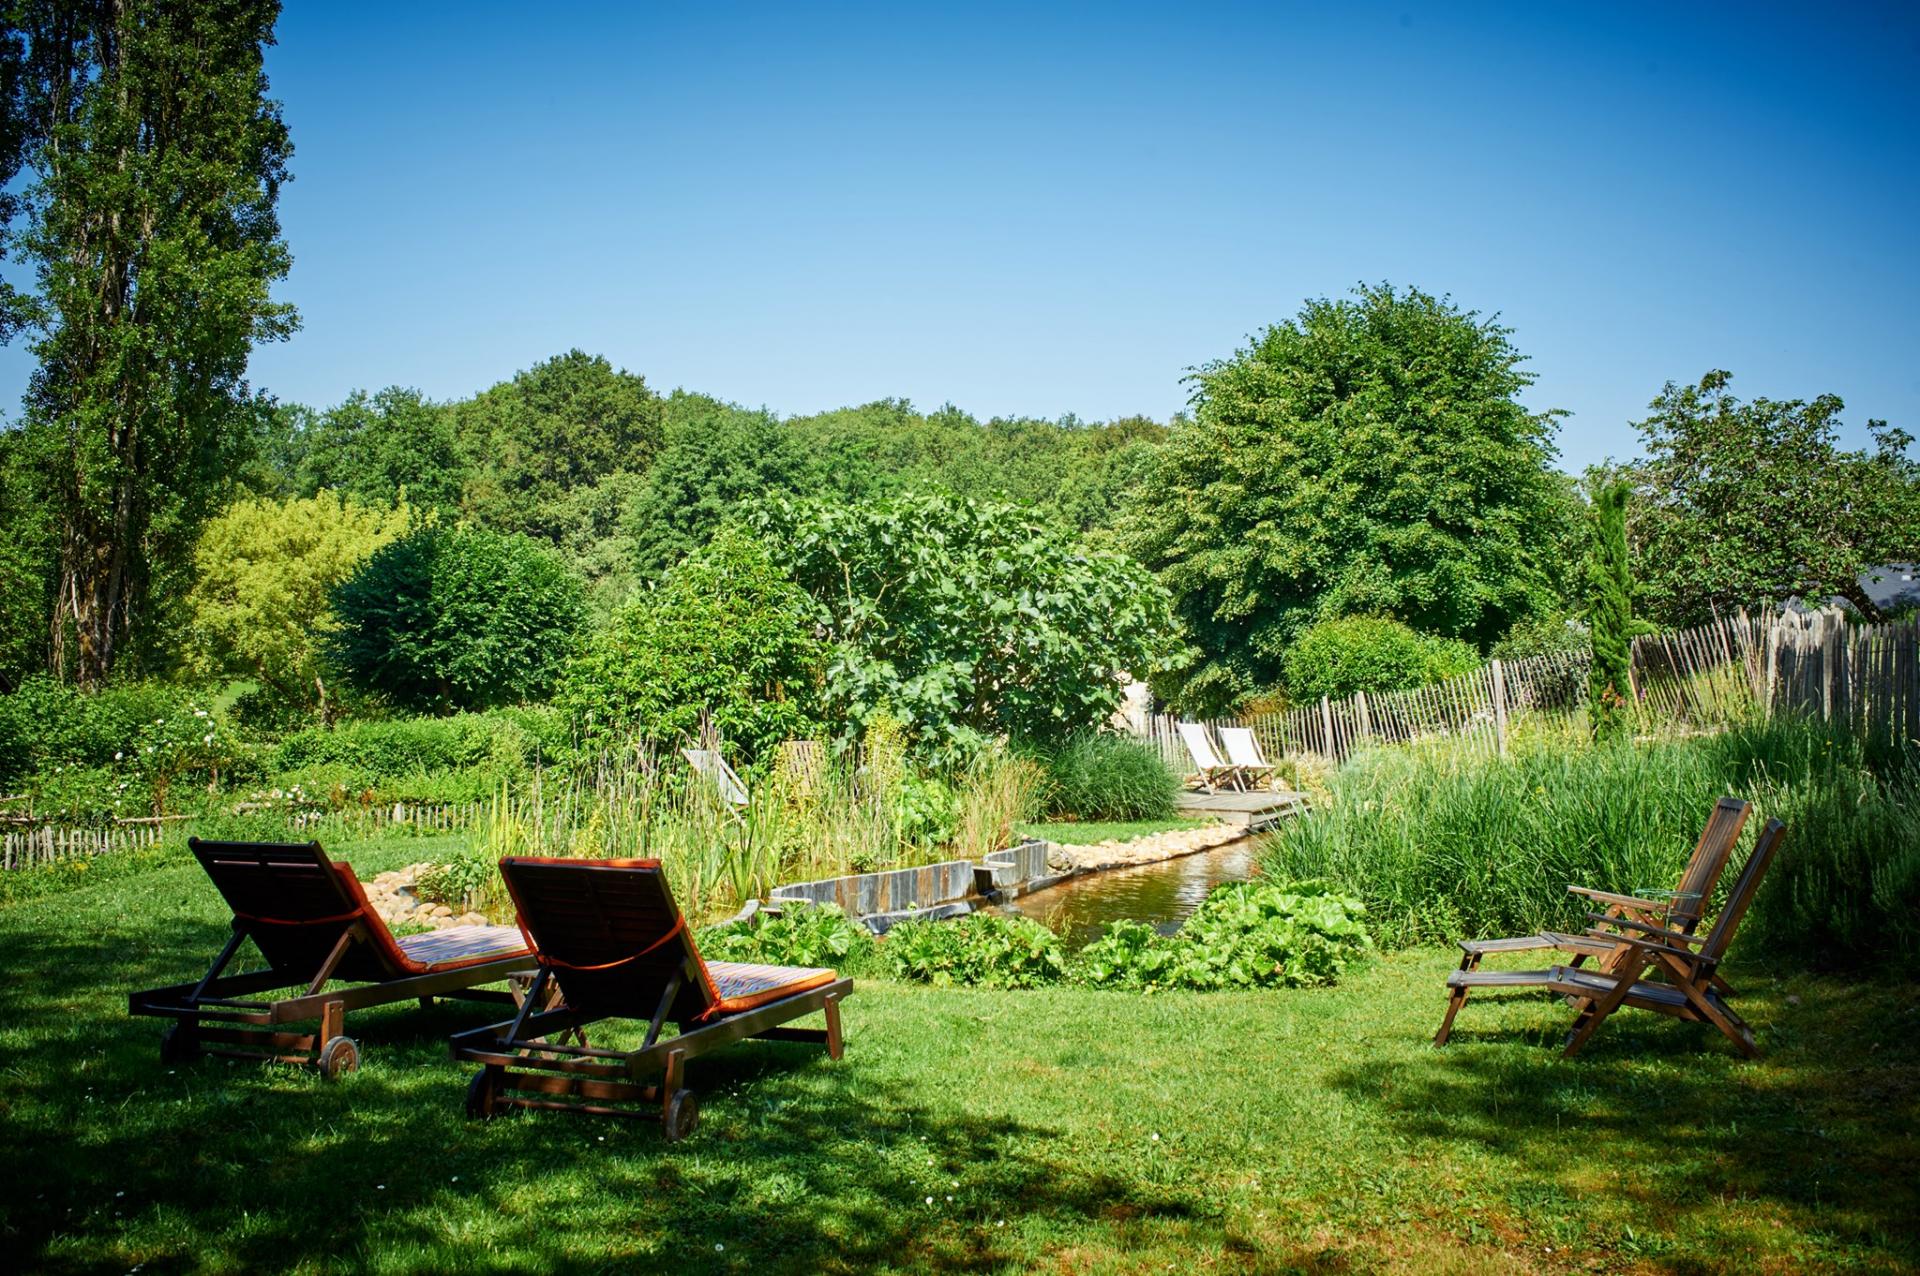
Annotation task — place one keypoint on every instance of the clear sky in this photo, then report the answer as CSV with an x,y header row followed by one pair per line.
x,y
1041,210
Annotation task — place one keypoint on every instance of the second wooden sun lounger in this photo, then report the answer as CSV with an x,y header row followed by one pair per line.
x,y
609,934
311,921
1243,752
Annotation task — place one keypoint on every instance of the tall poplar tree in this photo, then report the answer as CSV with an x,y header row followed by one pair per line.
x,y
1609,615
155,160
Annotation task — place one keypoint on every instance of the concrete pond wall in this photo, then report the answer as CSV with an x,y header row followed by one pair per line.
x,y
946,889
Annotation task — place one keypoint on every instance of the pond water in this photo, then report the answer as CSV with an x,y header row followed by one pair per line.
x,y
1163,895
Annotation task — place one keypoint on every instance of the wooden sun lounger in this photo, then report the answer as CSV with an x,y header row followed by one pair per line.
x,y
311,921
1210,770
1688,964
609,935
1681,911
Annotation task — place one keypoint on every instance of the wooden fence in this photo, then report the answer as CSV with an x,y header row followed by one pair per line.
x,y
45,843
1820,663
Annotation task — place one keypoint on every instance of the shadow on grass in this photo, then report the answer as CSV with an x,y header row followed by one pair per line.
x,y
800,1164
1667,1116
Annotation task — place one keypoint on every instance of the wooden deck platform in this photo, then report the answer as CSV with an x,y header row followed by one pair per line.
x,y
1257,810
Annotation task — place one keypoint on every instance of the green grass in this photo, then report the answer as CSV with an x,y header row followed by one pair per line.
x,y
1077,834
1075,1131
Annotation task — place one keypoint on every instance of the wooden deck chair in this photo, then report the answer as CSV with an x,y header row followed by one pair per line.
x,y
310,920
608,934
1209,769
1243,753
711,766
1687,962
1691,990
1680,910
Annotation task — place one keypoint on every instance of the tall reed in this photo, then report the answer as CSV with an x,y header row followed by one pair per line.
x,y
1444,842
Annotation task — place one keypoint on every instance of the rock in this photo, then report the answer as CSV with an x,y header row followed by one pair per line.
x,y
470,919
441,910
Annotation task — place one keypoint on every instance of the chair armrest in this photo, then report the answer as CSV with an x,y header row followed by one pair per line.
x,y
1624,901
1612,919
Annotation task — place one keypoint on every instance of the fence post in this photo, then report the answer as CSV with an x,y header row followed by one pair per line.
x,y
1500,707
1361,715
1326,725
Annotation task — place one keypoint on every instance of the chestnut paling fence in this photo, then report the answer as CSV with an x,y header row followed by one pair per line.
x,y
1866,677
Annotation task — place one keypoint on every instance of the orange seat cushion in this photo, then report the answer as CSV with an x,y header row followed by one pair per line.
x,y
740,985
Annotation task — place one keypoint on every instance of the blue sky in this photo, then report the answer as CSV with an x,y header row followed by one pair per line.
x,y
1044,210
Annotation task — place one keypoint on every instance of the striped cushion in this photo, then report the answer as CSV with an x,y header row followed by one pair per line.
x,y
461,945
743,985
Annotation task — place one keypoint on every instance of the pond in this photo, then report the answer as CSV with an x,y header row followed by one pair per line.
x,y
1163,895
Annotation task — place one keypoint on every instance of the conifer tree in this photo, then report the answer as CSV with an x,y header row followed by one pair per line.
x,y
1609,616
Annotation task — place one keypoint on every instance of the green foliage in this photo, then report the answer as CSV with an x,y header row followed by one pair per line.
x,y
717,457
392,447
1746,503
1444,843
503,743
46,725
264,571
723,639
456,618
1244,935
1367,653
983,949
29,562
453,881
1100,776
800,935
1370,457
1548,635
155,161
968,619
1610,617
536,444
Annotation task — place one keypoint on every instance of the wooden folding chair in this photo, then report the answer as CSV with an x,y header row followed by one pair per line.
x,y
1679,911
1243,753
312,923
609,935
1210,770
1687,962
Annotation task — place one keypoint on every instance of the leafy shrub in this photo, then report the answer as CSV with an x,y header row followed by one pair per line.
x,y
723,639
968,620
1543,636
457,618
502,741
978,949
1243,935
1109,777
47,724
452,882
1369,653
801,935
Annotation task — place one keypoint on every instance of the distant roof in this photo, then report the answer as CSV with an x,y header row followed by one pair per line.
x,y
1892,586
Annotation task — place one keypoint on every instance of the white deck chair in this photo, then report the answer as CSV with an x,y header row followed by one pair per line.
x,y
1211,770
709,764
1244,752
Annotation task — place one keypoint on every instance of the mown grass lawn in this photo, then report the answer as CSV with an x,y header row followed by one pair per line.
x,y
966,1130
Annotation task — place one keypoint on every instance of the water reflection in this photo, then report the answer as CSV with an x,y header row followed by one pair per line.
x,y
1162,895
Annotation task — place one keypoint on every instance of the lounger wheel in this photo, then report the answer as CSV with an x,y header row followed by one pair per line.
x,y
480,1093
339,1055
178,1044
682,1116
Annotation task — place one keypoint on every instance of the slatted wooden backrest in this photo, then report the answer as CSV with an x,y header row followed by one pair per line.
x,y
1744,889
294,904
611,933
1709,860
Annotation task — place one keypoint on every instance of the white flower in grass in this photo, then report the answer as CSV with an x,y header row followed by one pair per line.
x,y
117,755
929,1200
718,1248
207,738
